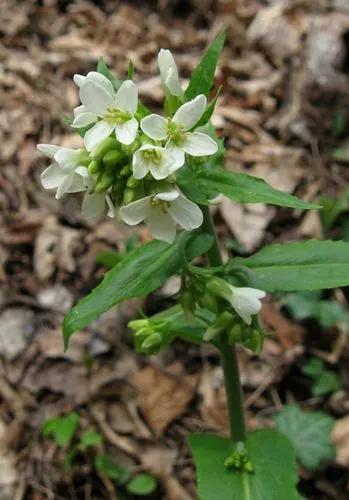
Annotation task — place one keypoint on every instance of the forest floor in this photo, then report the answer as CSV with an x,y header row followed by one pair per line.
x,y
284,115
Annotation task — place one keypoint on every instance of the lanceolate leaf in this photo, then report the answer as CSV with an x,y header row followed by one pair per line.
x,y
138,274
207,183
274,468
311,265
104,70
202,78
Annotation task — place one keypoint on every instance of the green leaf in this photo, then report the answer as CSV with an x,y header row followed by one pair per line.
x,y
62,429
324,381
202,78
274,469
203,185
107,466
209,110
108,258
91,438
309,433
104,70
333,208
142,484
309,305
139,273
310,265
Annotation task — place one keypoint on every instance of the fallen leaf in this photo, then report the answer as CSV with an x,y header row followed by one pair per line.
x,y
16,330
340,439
162,397
287,332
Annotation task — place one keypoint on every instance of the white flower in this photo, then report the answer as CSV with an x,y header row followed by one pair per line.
x,y
83,117
115,112
245,300
158,161
169,73
161,212
61,175
94,204
176,131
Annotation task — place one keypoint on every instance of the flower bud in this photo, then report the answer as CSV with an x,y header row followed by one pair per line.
x,y
209,302
94,167
256,341
107,145
152,343
129,196
188,304
126,170
113,157
104,183
235,334
132,182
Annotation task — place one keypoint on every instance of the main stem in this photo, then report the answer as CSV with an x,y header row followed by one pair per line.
x,y
228,353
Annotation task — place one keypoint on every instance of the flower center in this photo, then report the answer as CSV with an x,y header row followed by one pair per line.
x,y
152,155
175,133
161,204
116,116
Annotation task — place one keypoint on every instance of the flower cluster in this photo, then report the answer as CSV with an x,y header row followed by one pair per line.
x,y
130,158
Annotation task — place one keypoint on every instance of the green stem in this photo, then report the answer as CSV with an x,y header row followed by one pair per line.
x,y
228,354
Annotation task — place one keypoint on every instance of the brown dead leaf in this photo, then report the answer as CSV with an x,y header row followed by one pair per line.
x,y
340,439
162,397
213,406
288,333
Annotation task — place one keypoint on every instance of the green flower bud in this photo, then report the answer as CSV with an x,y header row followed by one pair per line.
x,y
152,343
256,341
235,334
113,157
95,167
209,302
104,183
132,182
107,145
129,196
188,304
126,170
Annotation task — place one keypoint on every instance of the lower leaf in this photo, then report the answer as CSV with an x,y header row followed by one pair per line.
x,y
273,474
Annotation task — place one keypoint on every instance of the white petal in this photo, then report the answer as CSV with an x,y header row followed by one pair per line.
x,y
79,79
95,98
169,72
77,184
88,180
127,97
79,109
167,195
165,63
140,166
68,157
48,150
65,185
173,84
102,80
161,225
93,205
84,119
135,212
165,167
127,132
246,302
53,176
155,127
199,144
190,112
186,213
178,155
111,208
97,134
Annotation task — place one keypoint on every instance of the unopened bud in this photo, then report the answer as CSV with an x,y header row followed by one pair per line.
x,y
107,145
113,157
104,183
152,342
126,170
209,302
94,167
235,334
256,341
132,182
129,196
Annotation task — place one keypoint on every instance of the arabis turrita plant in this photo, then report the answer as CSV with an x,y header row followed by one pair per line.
x,y
165,170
